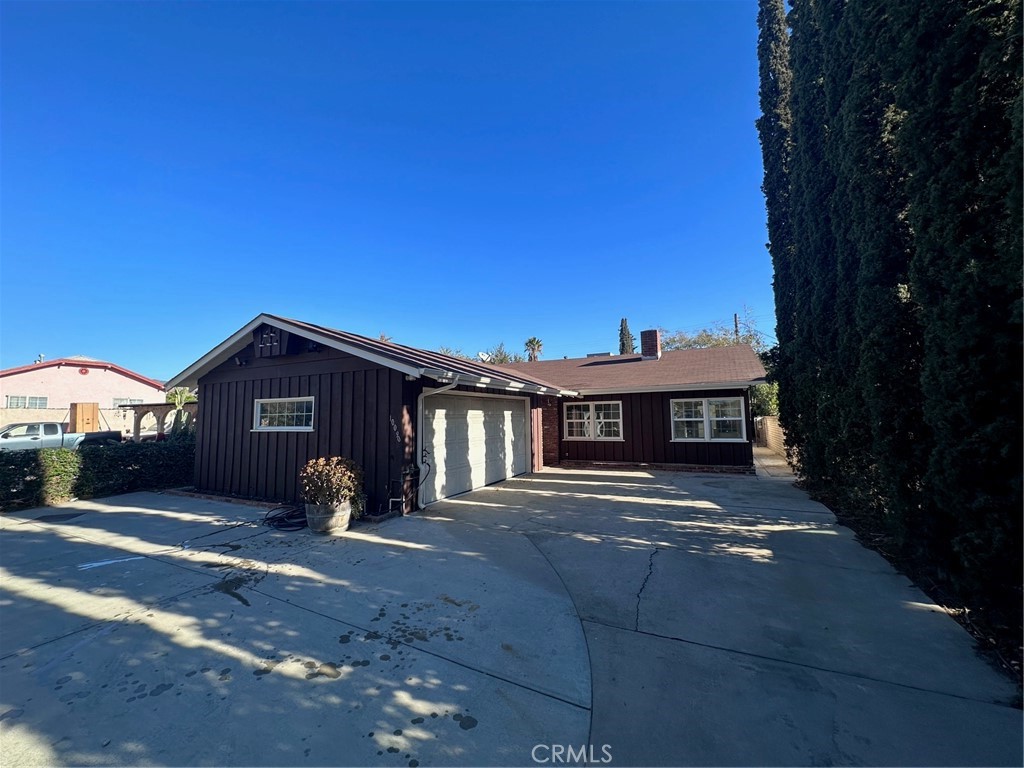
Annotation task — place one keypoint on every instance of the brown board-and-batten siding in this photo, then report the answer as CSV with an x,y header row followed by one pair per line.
x,y
360,410
647,434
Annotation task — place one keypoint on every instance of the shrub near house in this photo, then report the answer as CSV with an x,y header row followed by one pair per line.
x,y
53,475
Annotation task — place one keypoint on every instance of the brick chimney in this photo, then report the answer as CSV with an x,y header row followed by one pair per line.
x,y
650,344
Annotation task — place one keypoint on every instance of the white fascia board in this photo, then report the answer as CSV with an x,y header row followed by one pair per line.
x,y
673,387
493,382
242,338
343,347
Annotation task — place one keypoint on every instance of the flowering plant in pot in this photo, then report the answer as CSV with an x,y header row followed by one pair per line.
x,y
332,489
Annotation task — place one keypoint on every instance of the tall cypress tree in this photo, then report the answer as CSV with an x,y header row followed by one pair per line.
x,y
960,142
627,344
842,427
810,368
887,363
896,232
774,129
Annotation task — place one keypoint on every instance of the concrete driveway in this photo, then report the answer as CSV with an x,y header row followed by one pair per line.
x,y
642,618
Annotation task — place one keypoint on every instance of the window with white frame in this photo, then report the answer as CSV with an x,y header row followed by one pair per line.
x,y
26,401
283,414
593,421
708,418
127,401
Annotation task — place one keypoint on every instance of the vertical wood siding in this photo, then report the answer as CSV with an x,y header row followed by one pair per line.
x,y
647,434
355,402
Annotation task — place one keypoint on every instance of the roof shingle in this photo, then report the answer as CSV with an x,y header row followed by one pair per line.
x,y
684,368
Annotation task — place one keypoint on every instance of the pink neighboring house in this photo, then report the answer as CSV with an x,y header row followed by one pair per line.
x,y
58,383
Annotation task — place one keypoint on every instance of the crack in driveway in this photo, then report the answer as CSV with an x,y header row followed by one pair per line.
x,y
639,595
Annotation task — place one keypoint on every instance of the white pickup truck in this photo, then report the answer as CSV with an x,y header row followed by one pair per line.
x,y
49,434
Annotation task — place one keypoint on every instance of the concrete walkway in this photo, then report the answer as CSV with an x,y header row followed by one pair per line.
x,y
645,618
771,466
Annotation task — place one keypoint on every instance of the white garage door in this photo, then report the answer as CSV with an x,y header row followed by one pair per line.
x,y
473,442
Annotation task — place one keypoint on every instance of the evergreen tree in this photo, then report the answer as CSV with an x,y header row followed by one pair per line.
x,y
498,355
627,344
808,368
886,359
774,129
895,214
959,140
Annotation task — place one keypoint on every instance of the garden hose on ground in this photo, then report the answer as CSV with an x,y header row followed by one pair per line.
x,y
285,518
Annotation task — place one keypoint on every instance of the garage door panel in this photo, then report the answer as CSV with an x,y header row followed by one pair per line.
x,y
473,442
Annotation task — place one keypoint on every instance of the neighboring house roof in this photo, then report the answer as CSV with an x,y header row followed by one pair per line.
x,y
409,360
79,361
714,368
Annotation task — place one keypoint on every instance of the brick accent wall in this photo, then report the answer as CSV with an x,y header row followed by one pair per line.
x,y
550,415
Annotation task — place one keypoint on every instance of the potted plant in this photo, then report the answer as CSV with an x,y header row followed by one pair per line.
x,y
332,489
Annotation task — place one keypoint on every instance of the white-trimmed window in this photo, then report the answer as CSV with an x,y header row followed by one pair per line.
x,y
283,414
26,401
708,418
593,421
127,401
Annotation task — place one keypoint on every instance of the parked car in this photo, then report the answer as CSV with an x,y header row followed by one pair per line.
x,y
49,434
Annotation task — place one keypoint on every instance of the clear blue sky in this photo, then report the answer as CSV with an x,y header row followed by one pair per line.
x,y
451,174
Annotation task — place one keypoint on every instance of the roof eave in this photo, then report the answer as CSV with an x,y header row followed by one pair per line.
x,y
495,382
742,384
101,365
241,339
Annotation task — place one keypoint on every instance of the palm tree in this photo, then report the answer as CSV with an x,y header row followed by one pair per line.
x,y
534,346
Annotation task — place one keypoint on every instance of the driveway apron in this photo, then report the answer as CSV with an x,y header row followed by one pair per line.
x,y
611,617
731,621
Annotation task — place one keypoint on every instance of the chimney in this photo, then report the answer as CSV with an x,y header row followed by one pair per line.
x,y
650,344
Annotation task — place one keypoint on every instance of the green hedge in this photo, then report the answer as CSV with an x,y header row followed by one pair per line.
x,y
52,475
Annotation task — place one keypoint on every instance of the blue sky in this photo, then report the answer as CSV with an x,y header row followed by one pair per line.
x,y
451,174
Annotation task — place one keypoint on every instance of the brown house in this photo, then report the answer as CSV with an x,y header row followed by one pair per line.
x,y
682,409
426,426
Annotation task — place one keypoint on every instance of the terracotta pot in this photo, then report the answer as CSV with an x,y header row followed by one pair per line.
x,y
324,518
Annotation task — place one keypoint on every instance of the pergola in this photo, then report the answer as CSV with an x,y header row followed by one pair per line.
x,y
160,412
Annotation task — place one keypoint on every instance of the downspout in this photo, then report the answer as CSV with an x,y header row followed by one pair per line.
x,y
420,450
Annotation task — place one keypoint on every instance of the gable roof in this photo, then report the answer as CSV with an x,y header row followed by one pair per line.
x,y
79,361
682,369
420,363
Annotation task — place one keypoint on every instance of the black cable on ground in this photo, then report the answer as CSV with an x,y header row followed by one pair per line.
x,y
285,518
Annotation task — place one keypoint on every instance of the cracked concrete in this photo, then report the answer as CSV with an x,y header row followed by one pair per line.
x,y
669,619
643,586
732,621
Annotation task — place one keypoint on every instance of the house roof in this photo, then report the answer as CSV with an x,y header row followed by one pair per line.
x,y
714,368
79,361
420,363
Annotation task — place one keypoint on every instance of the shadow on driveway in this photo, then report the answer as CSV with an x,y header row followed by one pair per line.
x,y
154,629
731,621
675,619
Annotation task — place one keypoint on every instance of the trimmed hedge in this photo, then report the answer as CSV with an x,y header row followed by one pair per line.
x,y
52,475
